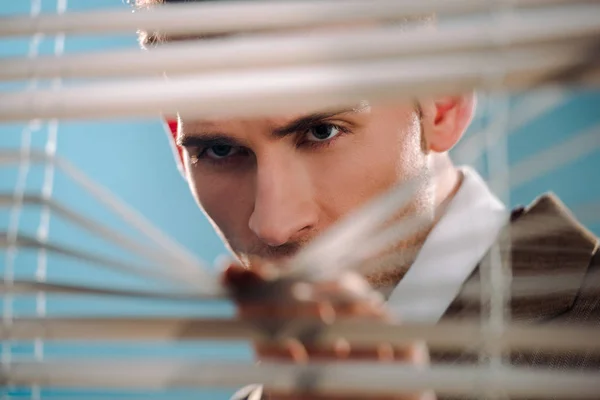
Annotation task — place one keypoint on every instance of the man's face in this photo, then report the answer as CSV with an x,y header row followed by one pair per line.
x,y
270,185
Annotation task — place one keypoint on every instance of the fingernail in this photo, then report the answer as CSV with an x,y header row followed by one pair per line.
x,y
342,348
303,291
326,313
297,351
385,352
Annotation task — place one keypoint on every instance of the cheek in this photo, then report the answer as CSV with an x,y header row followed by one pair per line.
x,y
381,154
226,200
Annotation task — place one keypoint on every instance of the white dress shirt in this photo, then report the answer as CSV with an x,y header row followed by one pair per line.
x,y
451,252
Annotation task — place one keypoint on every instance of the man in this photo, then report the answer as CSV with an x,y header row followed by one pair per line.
x,y
271,185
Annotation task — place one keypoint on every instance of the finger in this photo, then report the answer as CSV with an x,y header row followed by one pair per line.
x,y
322,312
237,278
296,351
416,354
263,268
360,310
349,286
326,311
349,396
255,286
383,352
339,351
292,350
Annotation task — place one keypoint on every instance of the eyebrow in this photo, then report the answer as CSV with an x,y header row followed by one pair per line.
x,y
304,123
301,124
206,140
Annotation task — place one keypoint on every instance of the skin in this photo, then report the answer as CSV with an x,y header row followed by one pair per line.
x,y
279,192
271,185
275,184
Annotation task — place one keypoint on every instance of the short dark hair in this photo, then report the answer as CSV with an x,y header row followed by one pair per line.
x,y
152,39
149,3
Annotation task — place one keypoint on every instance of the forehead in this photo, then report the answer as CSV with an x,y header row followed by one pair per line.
x,y
198,125
191,124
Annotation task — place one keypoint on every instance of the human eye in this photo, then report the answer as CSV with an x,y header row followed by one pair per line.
x,y
322,132
220,151
217,154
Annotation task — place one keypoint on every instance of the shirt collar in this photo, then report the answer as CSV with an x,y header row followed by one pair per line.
x,y
452,250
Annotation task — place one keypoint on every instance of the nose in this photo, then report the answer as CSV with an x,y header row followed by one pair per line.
x,y
284,206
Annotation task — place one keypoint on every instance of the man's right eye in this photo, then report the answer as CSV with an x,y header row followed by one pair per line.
x,y
220,151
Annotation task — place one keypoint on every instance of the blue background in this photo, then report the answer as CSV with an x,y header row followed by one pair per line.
x,y
132,158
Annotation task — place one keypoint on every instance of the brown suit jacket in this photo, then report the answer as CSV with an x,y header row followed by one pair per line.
x,y
545,241
542,240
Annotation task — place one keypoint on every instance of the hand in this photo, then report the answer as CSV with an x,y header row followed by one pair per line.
x,y
348,297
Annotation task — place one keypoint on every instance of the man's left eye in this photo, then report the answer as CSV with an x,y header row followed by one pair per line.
x,y
321,133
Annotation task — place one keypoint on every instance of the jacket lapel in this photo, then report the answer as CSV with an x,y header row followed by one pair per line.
x,y
542,241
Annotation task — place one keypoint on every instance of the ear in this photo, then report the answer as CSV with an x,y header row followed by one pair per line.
x,y
447,119
171,127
